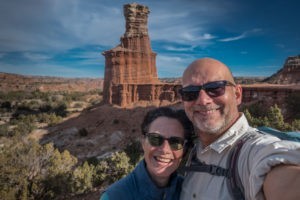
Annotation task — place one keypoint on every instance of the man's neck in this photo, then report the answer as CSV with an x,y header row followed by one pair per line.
x,y
208,138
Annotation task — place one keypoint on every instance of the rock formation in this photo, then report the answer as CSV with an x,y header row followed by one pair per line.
x,y
289,74
132,62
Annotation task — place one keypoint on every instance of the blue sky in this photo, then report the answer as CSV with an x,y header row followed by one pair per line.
x,y
66,37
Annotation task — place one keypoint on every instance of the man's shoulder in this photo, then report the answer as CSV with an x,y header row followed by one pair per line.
x,y
254,135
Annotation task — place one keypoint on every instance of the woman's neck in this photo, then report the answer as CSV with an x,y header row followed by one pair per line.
x,y
160,181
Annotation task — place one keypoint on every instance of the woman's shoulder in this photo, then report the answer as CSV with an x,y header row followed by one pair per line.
x,y
118,190
122,189
104,196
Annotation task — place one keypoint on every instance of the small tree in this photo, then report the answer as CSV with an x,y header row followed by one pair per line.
x,y
82,178
112,168
275,118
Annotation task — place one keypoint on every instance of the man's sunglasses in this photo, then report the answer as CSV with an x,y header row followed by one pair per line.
x,y
156,140
212,89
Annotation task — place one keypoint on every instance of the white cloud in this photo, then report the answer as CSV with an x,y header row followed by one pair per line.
x,y
172,66
241,36
174,48
36,57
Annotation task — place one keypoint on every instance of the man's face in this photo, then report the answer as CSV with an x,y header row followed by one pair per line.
x,y
161,160
212,115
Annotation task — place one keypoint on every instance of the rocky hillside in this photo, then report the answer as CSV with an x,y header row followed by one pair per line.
x,y
106,128
15,82
289,74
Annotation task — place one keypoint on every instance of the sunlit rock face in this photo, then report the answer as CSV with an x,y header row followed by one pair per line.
x,y
289,74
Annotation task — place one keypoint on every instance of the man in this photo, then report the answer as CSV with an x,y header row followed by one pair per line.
x,y
268,168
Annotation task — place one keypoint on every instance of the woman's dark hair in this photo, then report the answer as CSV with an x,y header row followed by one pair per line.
x,y
169,112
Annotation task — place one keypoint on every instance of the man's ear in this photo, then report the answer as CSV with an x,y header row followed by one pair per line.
x,y
238,94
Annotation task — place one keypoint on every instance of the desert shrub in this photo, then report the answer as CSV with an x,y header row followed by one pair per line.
x,y
78,105
46,107
6,105
32,105
82,178
22,128
4,131
273,118
83,132
257,109
61,110
51,119
95,101
112,168
59,173
93,160
33,171
74,96
296,125
134,151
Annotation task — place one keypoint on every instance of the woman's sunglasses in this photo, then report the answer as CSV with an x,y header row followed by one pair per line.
x,y
156,140
212,89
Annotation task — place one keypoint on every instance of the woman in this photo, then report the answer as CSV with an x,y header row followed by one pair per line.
x,y
166,133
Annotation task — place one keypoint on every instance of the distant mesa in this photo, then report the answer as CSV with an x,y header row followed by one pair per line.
x,y
16,82
289,74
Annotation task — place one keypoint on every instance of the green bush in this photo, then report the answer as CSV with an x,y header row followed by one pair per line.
x,y
32,171
112,168
134,151
82,178
296,125
51,119
273,118
4,131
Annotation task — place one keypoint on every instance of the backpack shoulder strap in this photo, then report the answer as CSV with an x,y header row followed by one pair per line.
x,y
235,184
195,165
231,173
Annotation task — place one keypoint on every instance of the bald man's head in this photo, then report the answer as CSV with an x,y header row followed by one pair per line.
x,y
205,68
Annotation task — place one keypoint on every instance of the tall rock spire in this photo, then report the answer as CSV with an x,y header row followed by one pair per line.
x,y
132,61
136,20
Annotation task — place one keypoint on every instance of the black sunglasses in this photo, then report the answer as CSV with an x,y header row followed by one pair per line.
x,y
212,89
156,140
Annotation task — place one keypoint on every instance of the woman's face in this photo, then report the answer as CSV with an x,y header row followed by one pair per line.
x,y
161,160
